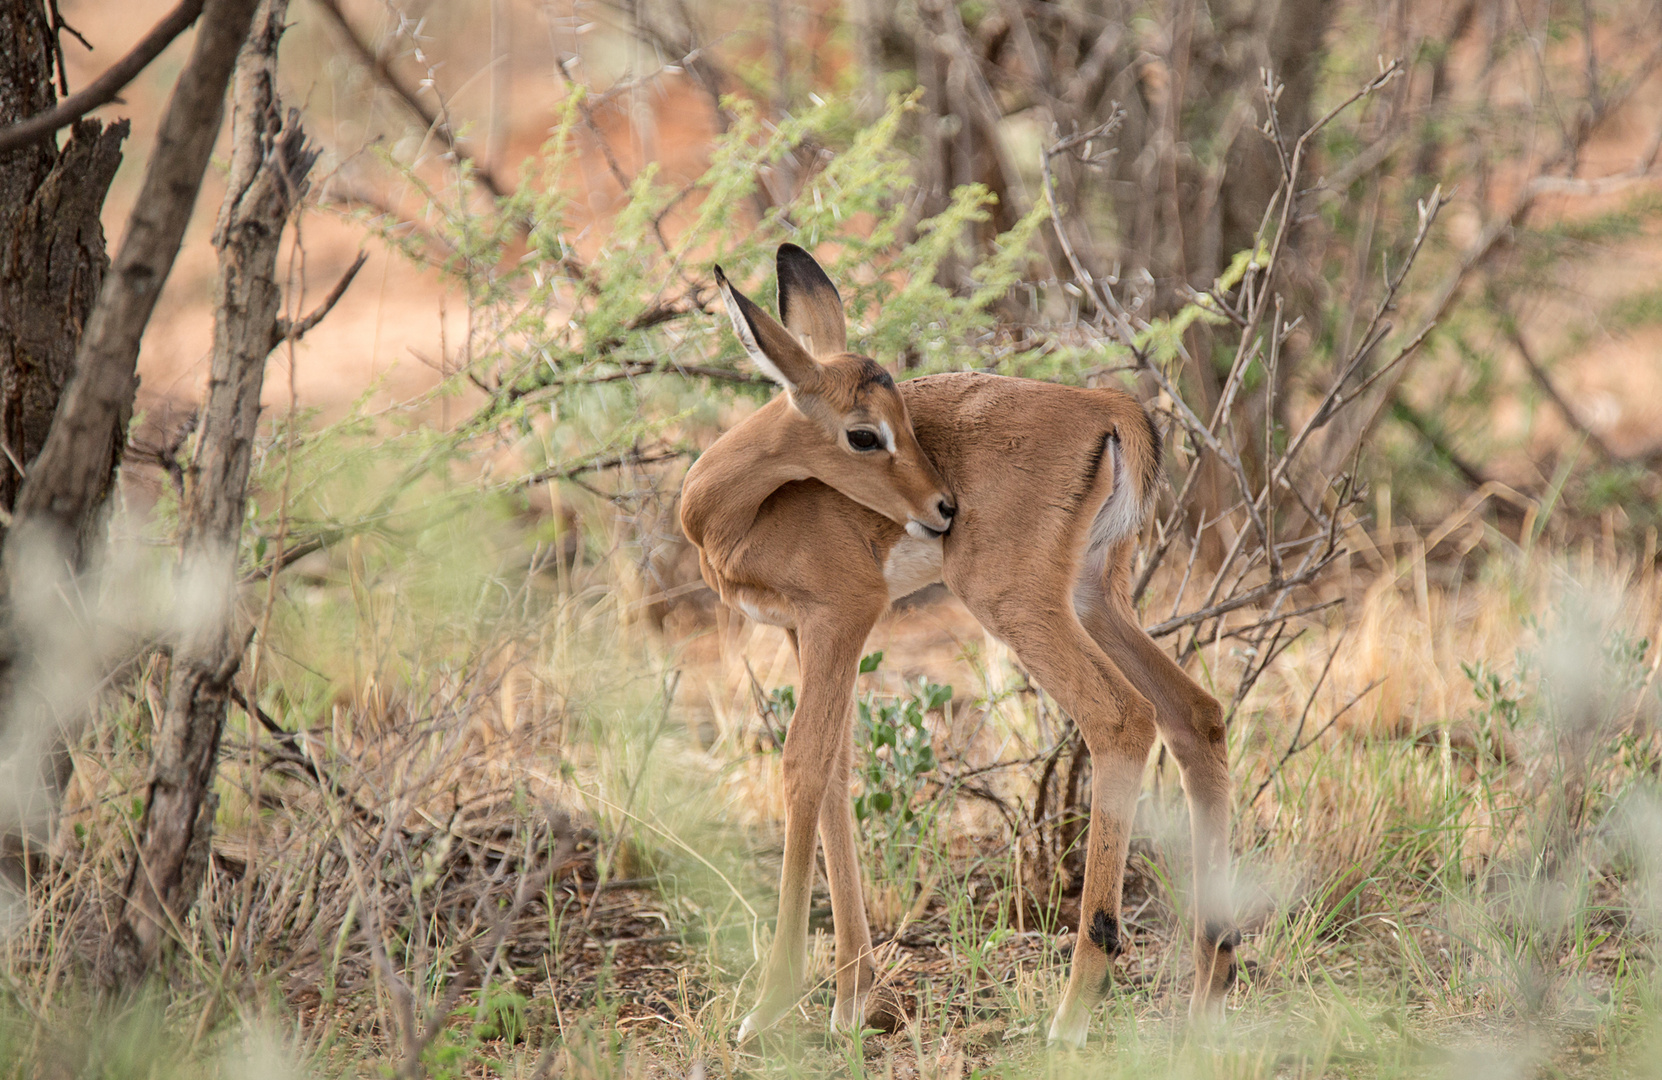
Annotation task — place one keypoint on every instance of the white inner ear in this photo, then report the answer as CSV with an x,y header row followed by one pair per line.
x,y
741,327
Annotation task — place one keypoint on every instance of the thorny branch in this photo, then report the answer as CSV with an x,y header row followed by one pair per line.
x,y
1286,520
409,96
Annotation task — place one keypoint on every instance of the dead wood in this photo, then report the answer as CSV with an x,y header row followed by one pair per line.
x,y
269,163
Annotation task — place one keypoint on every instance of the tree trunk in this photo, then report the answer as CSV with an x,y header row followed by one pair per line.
x,y
66,487
52,257
48,654
269,162
52,262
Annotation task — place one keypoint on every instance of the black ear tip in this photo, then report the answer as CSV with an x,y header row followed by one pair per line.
x,y
802,270
721,278
796,262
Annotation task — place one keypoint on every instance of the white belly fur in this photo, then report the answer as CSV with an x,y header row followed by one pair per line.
x,y
757,613
912,564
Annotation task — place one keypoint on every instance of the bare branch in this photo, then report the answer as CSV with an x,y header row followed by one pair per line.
x,y
1239,600
1544,381
408,96
1295,747
286,331
103,90
613,461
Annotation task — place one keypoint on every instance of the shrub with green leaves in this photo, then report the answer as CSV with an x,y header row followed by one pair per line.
x,y
897,755
573,330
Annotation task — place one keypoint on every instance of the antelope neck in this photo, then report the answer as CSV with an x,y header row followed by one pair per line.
x,y
728,484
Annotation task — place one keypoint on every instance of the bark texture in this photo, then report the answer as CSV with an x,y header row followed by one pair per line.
x,y
66,487
52,256
52,263
269,163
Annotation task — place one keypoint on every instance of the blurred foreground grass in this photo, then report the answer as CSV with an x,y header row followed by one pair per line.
x,y
522,815
1461,873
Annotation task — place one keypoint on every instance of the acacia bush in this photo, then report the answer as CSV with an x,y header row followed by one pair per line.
x,y
462,758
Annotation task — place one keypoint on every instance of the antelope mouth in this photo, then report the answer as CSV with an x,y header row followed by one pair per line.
x,y
945,513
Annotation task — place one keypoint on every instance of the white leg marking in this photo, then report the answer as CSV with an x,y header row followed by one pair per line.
x,y
1070,1031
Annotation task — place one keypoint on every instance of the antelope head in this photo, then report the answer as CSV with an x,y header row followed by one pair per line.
x,y
850,427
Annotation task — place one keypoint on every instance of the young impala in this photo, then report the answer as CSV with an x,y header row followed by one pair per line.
x,y
849,491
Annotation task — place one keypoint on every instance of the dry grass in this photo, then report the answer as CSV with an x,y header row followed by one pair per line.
x,y
526,819
1455,870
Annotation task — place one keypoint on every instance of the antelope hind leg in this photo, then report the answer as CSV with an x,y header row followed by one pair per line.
x,y
1190,722
1117,723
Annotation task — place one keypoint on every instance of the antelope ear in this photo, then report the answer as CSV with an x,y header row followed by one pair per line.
x,y
808,303
771,347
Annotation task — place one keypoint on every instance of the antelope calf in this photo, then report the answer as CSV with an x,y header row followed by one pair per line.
x,y
847,492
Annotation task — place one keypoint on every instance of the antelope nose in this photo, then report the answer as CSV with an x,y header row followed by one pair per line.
x,y
946,510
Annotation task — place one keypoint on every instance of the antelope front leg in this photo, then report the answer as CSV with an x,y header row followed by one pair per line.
x,y
829,653
848,906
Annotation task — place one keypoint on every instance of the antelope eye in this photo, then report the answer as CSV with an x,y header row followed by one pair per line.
x,y
864,439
